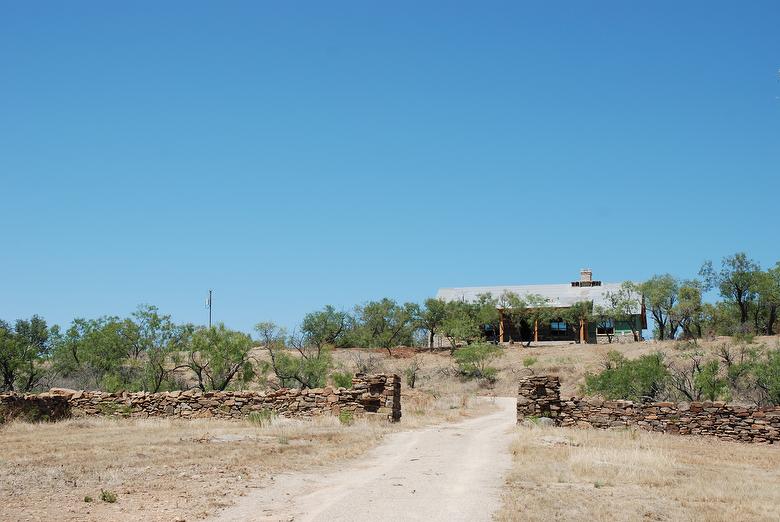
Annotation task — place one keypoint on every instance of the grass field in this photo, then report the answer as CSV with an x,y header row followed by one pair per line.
x,y
185,470
572,474
173,469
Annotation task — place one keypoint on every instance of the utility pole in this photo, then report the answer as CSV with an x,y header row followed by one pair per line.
x,y
208,305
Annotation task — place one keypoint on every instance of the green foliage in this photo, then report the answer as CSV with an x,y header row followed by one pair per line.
x,y
87,498
309,371
624,305
110,409
710,383
301,365
346,417
262,417
637,379
24,350
219,356
688,312
737,280
342,379
432,315
523,311
473,360
767,373
411,371
661,293
386,324
743,338
579,311
159,341
107,496
327,327
95,353
468,322
529,361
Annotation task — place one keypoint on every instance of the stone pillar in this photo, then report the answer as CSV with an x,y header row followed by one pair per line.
x,y
379,395
539,396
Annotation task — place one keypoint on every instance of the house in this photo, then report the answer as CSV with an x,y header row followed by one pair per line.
x,y
560,296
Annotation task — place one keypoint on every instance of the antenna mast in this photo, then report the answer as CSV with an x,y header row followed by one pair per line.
x,y
208,305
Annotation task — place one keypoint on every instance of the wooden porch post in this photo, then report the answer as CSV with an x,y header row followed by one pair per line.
x,y
582,331
500,325
536,330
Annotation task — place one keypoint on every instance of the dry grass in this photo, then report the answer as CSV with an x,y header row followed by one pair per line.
x,y
569,361
178,469
168,469
570,474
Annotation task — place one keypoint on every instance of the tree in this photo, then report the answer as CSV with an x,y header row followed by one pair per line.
x,y
432,315
218,356
461,324
737,281
473,360
624,305
327,327
697,379
768,291
578,314
32,349
526,311
688,312
386,324
661,294
8,356
160,341
467,322
768,377
710,383
24,348
603,318
308,368
94,352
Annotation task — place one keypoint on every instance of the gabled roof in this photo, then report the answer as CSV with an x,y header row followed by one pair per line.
x,y
559,296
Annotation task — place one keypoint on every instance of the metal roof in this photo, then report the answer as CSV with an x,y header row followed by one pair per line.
x,y
559,295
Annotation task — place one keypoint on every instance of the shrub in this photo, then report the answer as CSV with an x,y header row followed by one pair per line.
x,y
411,371
637,379
107,496
708,381
743,338
342,379
308,368
262,417
87,499
529,361
346,417
767,374
472,360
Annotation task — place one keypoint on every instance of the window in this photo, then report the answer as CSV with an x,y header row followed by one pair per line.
x,y
558,327
606,327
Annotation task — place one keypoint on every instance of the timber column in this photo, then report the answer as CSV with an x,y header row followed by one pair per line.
x,y
536,330
500,325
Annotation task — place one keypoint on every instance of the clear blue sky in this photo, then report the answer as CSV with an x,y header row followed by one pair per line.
x,y
294,154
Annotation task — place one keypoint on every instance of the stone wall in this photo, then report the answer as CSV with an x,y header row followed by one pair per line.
x,y
539,396
33,408
373,396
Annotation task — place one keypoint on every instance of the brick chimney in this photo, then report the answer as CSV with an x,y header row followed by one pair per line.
x,y
586,279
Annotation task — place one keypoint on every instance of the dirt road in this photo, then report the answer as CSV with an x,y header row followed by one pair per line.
x,y
448,473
